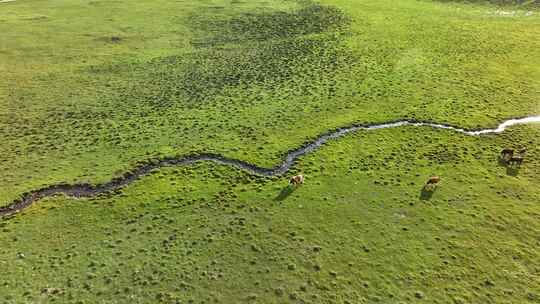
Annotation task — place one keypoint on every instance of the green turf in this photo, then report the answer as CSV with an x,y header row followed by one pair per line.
x,y
87,97
520,4
359,231
89,88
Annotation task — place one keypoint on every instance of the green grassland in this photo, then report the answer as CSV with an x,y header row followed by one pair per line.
x,y
503,3
359,231
90,88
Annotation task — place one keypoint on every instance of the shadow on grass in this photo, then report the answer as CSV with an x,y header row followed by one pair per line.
x,y
285,192
511,169
502,161
426,193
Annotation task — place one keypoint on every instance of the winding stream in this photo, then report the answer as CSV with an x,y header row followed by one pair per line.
x,y
89,190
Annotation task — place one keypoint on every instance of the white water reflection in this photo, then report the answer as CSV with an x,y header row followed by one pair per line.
x,y
500,128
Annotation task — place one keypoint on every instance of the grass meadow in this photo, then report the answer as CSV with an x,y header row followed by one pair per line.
x,y
90,88
359,231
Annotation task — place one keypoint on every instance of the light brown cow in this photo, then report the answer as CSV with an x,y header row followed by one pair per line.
x,y
432,182
297,180
507,153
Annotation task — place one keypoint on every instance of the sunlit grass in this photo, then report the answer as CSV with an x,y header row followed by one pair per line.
x,y
358,229
89,88
88,97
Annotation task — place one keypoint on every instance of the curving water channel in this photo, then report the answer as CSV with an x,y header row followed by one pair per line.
x,y
89,190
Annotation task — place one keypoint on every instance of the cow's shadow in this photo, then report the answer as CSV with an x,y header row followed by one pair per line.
x,y
285,192
512,169
426,193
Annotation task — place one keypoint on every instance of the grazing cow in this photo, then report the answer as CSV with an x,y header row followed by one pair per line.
x,y
515,160
297,180
432,182
507,153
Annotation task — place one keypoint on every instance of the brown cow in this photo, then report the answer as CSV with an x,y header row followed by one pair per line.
x,y
507,153
432,182
297,180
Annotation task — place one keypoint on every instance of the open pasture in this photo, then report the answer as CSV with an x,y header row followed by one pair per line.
x,y
360,230
90,88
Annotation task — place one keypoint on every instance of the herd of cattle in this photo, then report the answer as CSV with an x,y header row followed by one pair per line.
x,y
508,155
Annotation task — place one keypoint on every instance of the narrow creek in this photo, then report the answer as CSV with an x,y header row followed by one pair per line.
x,y
89,190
